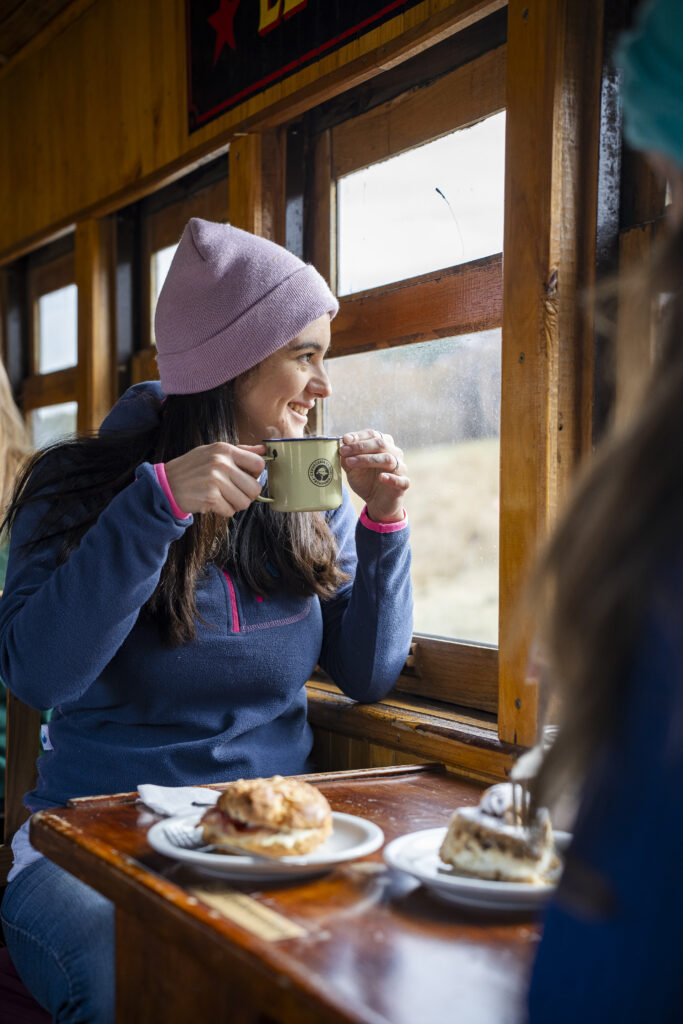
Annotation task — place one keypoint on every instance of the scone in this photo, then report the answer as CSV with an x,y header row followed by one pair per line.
x,y
276,817
488,842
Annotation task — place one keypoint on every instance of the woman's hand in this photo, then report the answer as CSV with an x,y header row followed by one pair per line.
x,y
376,472
219,477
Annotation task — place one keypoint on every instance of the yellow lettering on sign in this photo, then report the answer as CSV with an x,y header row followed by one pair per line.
x,y
292,6
270,15
272,12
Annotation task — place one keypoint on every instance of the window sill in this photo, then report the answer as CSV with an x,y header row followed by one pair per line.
x,y
465,741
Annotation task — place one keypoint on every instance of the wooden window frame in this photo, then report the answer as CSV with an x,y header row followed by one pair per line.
x,y
44,389
553,121
465,298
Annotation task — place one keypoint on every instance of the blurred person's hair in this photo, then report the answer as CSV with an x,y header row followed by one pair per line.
x,y
606,563
14,442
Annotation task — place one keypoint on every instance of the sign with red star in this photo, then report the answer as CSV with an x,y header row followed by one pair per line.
x,y
237,48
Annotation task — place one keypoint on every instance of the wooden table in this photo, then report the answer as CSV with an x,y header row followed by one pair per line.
x,y
361,944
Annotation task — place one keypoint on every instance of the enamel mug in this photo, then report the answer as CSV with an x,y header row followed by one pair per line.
x,y
304,474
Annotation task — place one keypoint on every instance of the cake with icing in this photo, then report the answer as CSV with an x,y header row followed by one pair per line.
x,y
488,841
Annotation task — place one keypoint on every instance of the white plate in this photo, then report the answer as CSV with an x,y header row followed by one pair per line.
x,y
352,837
418,855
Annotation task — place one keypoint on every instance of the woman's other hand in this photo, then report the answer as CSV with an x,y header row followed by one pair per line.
x,y
376,472
219,477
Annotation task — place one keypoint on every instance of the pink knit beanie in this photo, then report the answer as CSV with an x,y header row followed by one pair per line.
x,y
229,300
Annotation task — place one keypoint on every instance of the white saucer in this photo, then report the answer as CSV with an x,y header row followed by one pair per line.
x,y
418,855
352,837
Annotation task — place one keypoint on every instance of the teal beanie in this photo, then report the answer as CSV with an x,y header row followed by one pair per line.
x,y
650,58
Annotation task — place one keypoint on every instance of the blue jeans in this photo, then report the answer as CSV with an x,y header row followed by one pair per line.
x,y
60,934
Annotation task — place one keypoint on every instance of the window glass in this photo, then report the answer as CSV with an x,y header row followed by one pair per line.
x,y
440,400
435,206
159,266
161,261
52,422
58,329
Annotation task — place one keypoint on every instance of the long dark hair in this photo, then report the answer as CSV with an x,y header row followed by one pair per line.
x,y
76,479
606,563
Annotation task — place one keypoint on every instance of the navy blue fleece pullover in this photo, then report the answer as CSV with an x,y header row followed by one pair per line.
x,y
231,703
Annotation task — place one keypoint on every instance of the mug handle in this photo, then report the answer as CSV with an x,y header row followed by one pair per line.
x,y
260,497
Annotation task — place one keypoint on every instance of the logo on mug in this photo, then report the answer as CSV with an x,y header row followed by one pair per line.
x,y
320,472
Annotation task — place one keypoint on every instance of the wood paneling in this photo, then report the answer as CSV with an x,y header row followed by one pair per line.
x,y
22,20
86,141
333,752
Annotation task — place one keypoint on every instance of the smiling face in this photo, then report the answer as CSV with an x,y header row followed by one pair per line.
x,y
274,399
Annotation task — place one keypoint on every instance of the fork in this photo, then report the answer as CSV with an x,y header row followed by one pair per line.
x,y
178,835
520,802
523,771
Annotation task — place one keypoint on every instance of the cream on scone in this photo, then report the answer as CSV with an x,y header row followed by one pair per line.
x,y
488,842
275,817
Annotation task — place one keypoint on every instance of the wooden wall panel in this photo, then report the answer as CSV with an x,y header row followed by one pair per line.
x,y
97,116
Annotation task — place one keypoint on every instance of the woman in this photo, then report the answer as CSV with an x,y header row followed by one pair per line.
x,y
14,448
612,946
170,618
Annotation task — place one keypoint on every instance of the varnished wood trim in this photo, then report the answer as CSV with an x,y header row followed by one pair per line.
x,y
466,95
443,303
246,183
454,672
49,389
273,184
95,269
464,747
552,102
321,215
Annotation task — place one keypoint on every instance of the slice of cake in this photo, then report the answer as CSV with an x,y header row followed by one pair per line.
x,y
489,842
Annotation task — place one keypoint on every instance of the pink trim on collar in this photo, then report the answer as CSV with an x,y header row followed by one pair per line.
x,y
370,524
233,603
160,470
